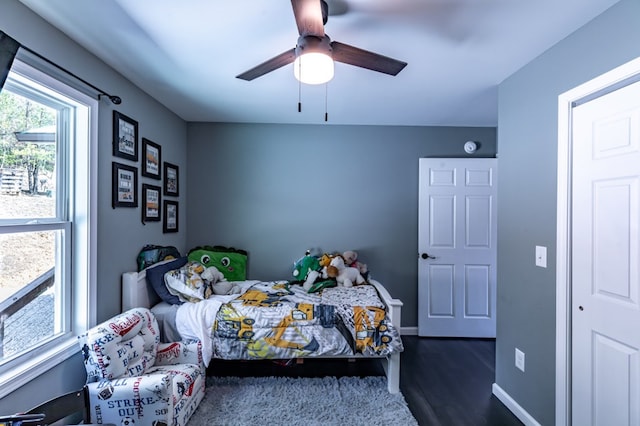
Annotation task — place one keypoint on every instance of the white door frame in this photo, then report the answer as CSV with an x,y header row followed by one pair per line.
x,y
563,235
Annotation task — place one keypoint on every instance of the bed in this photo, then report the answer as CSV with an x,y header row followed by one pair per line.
x,y
278,320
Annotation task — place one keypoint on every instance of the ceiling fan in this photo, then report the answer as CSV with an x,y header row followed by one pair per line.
x,y
311,15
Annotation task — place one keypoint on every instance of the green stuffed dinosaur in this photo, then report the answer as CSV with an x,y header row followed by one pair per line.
x,y
307,270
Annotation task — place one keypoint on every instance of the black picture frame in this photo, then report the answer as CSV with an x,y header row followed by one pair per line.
x,y
124,186
125,137
171,180
151,203
151,159
170,216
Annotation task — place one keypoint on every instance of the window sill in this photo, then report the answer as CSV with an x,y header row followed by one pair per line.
x,y
37,365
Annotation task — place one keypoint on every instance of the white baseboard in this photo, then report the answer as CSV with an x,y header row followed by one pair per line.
x,y
513,406
409,331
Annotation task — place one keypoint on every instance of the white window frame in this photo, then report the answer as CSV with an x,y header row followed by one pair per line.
x,y
80,185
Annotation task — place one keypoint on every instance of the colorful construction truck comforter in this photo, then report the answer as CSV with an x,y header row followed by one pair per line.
x,y
279,320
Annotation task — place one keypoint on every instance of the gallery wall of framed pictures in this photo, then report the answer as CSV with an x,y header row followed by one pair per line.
x,y
124,192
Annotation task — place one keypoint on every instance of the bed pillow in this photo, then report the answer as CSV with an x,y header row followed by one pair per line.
x,y
186,282
155,277
231,262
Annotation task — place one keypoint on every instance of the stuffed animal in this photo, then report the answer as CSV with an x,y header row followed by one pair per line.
x,y
226,287
325,261
217,283
307,270
364,270
351,260
345,276
212,275
350,257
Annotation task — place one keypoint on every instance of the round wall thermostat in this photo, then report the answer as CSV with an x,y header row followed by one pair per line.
x,y
470,147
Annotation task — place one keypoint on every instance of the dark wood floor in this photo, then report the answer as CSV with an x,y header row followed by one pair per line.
x,y
446,382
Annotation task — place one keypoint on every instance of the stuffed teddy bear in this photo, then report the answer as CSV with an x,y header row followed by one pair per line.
x,y
350,257
307,270
345,276
212,275
351,260
217,283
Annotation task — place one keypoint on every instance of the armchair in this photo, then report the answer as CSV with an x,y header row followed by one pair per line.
x,y
132,376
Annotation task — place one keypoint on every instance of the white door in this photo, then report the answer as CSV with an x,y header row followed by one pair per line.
x,y
605,251
457,247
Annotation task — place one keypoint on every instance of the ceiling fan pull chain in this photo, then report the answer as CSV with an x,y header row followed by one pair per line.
x,y
326,95
300,92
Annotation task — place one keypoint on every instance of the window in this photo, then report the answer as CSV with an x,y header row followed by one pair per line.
x,y
47,223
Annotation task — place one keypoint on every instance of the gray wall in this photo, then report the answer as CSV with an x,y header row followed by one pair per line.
x,y
277,190
120,231
527,135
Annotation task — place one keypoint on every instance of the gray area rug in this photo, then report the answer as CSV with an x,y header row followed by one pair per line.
x,y
301,401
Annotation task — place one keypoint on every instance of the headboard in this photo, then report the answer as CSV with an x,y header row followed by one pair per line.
x,y
136,292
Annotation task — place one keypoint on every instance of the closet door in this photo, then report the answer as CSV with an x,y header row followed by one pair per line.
x,y
605,273
457,247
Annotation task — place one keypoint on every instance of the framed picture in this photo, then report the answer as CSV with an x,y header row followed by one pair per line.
x,y
170,217
152,157
171,186
125,137
124,188
150,203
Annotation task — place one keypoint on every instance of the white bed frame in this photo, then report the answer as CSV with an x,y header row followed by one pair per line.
x,y
137,293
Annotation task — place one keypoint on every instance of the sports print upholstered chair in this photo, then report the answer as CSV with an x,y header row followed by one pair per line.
x,y
132,378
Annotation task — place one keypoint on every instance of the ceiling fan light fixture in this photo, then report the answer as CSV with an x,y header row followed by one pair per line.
x,y
313,68
315,53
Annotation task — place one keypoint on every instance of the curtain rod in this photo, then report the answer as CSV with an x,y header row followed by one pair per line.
x,y
115,99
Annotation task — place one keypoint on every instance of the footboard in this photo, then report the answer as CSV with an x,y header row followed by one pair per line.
x,y
394,306
394,310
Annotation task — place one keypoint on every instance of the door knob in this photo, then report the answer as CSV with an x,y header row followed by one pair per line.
x,y
426,256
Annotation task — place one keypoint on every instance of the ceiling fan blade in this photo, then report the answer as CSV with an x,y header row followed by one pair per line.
x,y
365,59
281,60
309,17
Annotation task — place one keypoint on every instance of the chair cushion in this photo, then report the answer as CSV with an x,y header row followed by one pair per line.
x,y
185,378
123,346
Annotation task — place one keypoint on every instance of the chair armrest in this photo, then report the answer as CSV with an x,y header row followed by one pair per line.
x,y
147,398
185,352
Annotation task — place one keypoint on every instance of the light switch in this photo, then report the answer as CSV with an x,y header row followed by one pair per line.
x,y
541,256
520,359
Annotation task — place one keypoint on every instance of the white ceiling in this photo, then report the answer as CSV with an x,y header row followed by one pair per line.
x,y
186,54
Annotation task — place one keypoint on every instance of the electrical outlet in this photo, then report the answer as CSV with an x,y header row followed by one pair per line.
x,y
520,359
541,256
